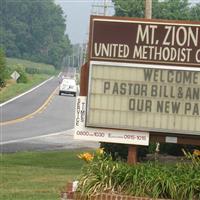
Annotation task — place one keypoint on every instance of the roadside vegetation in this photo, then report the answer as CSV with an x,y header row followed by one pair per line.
x,y
177,181
30,31
31,74
30,67
37,175
34,30
2,68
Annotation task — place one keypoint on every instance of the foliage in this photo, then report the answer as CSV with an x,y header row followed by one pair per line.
x,y
179,181
101,169
34,30
194,157
41,73
30,67
2,68
120,151
166,9
175,149
129,8
117,151
13,89
23,77
171,9
195,12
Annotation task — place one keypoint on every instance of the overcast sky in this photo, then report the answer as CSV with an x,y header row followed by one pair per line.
x,y
78,13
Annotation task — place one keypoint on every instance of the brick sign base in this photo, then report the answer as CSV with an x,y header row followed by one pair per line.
x,y
104,196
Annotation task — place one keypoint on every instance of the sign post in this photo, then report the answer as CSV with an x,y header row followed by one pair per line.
x,y
15,75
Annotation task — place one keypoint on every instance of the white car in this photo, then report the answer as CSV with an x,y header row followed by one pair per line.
x,y
68,86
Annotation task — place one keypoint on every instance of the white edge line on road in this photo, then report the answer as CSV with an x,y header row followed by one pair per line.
x,y
26,92
38,137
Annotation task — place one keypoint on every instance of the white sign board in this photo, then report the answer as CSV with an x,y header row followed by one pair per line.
x,y
144,97
104,135
171,140
15,75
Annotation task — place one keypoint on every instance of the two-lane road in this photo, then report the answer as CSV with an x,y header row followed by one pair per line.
x,y
29,102
39,112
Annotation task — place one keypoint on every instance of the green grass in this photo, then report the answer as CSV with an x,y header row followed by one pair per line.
x,y
37,175
35,72
13,89
13,63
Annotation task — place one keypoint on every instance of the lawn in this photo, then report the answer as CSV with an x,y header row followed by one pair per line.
x,y
37,175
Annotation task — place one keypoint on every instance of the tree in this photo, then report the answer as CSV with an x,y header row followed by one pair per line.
x,y
171,9
130,8
195,12
166,9
34,30
2,68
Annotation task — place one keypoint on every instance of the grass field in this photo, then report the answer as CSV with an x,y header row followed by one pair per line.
x,y
37,175
13,63
40,72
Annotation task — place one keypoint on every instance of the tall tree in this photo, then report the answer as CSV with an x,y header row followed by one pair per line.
x,y
171,9
34,30
166,9
195,12
130,8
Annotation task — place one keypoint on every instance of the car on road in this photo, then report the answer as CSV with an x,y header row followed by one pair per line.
x,y
68,86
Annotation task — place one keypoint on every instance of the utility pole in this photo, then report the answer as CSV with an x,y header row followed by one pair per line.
x,y
148,15
132,151
105,8
148,9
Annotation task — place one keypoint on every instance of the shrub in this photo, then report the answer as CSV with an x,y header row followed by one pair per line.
x,y
30,67
2,68
117,151
40,70
120,151
23,77
154,180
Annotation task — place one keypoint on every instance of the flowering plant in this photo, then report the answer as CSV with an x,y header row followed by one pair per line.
x,y
178,181
196,152
88,157
194,157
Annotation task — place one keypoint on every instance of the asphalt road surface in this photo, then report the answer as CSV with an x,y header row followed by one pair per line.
x,y
39,120
29,102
